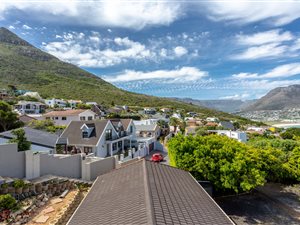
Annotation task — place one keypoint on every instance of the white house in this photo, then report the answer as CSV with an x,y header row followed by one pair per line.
x,y
176,115
35,95
238,135
74,103
55,102
212,119
66,116
103,138
27,107
149,111
256,129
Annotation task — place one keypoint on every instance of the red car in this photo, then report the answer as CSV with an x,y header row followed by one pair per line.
x,y
157,157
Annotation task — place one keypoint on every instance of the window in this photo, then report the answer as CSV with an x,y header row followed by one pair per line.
x,y
131,129
87,150
82,118
85,134
27,106
64,118
90,118
108,134
56,118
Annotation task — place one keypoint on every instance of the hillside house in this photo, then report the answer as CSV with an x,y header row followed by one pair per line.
x,y
60,103
66,116
41,141
73,103
27,107
226,125
149,111
103,138
238,135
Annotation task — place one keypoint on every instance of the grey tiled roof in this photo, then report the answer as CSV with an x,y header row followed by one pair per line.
x,y
148,193
35,136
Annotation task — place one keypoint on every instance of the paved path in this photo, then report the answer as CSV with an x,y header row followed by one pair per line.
x,y
165,154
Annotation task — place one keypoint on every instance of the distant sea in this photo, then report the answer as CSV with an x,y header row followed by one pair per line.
x,y
286,125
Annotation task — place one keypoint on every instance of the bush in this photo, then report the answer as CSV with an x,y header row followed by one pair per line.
x,y
228,164
19,183
234,166
8,202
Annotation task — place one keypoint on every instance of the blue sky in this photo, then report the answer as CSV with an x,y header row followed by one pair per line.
x,y
197,49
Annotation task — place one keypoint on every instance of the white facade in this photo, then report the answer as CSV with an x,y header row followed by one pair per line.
x,y
26,107
53,102
64,119
257,129
145,122
212,119
74,103
238,135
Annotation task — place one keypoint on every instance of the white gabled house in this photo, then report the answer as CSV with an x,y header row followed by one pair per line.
x,y
55,102
64,117
27,107
103,138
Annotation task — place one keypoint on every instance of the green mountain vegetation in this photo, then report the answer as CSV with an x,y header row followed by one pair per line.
x,y
29,68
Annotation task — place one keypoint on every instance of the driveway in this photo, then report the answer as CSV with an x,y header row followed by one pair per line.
x,y
165,154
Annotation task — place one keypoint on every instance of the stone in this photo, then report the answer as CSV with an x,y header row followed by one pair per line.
x,y
42,219
48,210
45,199
55,201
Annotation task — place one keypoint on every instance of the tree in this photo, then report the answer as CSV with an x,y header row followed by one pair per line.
x,y
227,163
20,139
174,122
291,133
8,118
83,106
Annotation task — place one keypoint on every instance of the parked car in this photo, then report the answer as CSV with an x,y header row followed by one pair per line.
x,y
157,157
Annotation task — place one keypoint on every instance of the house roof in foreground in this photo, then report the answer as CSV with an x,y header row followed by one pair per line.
x,y
148,193
35,136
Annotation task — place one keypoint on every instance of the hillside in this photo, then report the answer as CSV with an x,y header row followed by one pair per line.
x,y
29,68
229,105
278,99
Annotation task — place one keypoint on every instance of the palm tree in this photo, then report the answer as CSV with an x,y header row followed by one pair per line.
x,y
174,122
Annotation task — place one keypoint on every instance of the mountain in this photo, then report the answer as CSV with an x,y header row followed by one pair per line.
x,y
229,106
29,68
278,99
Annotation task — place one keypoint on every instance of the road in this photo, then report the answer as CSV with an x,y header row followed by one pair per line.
x,y
165,154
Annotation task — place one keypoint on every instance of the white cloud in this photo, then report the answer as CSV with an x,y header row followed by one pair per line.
x,y
11,27
26,27
286,70
91,51
275,12
271,36
180,51
268,44
236,97
184,74
121,13
263,51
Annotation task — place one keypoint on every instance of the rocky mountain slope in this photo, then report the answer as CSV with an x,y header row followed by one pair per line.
x,y
278,99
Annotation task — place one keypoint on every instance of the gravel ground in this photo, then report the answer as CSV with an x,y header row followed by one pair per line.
x,y
272,204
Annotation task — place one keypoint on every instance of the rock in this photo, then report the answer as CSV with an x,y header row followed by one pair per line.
x,y
45,199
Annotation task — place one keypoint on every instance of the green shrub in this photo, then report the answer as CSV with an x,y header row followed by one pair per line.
x,y
19,183
8,202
